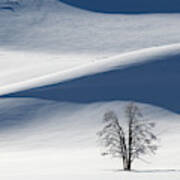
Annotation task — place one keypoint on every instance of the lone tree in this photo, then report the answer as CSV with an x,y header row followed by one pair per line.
x,y
131,142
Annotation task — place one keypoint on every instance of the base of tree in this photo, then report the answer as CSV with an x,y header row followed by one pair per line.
x,y
126,169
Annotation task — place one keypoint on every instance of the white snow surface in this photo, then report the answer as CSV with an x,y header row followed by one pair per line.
x,y
58,140
47,42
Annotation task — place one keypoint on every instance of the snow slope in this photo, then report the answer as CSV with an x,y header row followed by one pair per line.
x,y
58,28
148,76
61,68
42,37
67,70
43,139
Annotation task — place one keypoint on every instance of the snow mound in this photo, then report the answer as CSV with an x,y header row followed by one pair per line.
x,y
48,138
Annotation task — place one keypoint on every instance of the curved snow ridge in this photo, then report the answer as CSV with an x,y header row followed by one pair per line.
x,y
118,62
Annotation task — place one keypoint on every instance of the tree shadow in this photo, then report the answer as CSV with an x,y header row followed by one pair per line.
x,y
149,171
145,171
157,171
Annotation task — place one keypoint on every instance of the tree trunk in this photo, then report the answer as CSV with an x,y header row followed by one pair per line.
x,y
125,164
129,165
130,138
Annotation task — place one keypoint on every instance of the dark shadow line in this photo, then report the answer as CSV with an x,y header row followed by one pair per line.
x,y
145,171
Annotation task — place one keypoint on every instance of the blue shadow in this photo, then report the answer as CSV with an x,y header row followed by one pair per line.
x,y
156,82
9,5
7,8
127,6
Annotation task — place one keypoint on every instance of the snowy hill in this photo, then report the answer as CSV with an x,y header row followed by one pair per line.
x,y
41,139
62,68
54,27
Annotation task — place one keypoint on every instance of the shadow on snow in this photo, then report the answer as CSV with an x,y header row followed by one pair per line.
x,y
155,82
127,6
148,171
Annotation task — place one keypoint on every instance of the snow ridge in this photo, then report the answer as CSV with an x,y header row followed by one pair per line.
x,y
118,62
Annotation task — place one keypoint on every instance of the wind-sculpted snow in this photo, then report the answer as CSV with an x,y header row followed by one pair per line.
x,y
148,76
54,27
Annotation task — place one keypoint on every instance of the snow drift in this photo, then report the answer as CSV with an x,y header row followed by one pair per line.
x,y
148,76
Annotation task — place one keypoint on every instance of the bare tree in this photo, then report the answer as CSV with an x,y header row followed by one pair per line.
x,y
131,142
